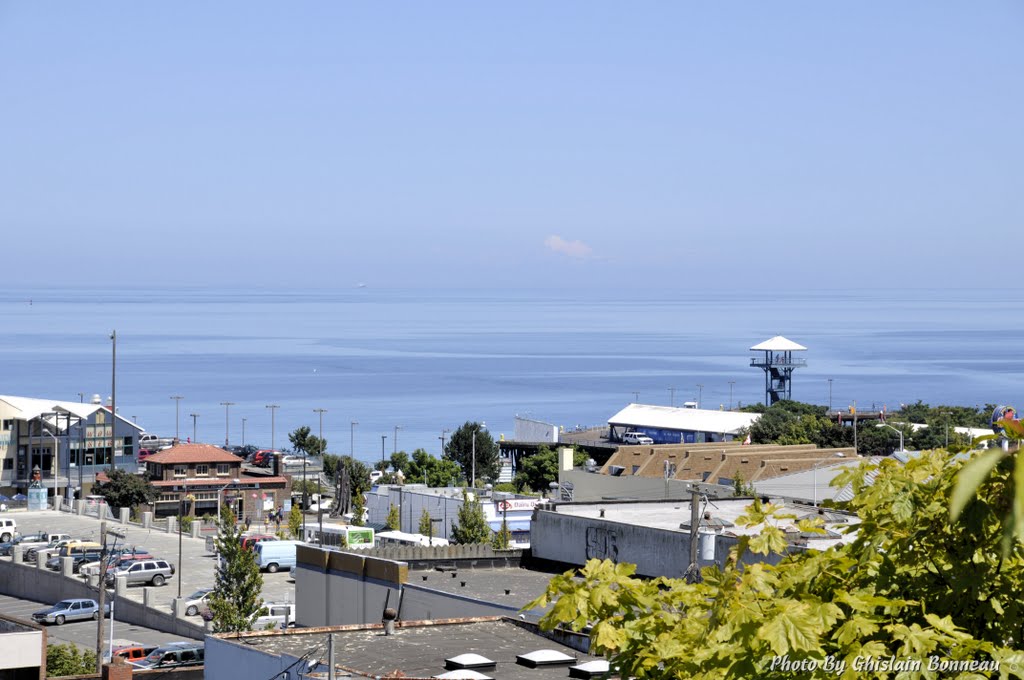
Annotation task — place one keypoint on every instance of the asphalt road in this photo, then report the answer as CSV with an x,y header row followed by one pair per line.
x,y
193,571
83,633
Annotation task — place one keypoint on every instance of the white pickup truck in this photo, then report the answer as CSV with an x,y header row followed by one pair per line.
x,y
636,438
154,443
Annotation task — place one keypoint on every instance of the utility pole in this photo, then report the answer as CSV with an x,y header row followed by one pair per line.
x,y
731,383
382,438
636,397
243,431
113,401
443,433
227,409
177,413
395,440
194,417
693,571
700,394
319,489
672,393
102,598
352,438
473,484
855,427
273,408
830,394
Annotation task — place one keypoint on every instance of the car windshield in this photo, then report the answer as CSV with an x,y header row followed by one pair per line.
x,y
63,604
198,594
154,656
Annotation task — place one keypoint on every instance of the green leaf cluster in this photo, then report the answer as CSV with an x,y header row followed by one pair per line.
x,y
394,520
68,659
502,538
295,521
470,525
460,447
125,489
911,584
538,470
425,527
236,602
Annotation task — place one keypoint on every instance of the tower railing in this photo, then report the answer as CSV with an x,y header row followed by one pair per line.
x,y
761,362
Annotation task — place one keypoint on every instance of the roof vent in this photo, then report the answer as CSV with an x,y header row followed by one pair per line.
x,y
545,657
96,399
590,669
463,674
463,661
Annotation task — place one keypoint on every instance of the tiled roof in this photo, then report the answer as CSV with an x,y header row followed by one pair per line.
x,y
193,453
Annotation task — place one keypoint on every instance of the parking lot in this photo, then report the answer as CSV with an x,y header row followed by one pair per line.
x,y
194,570
83,633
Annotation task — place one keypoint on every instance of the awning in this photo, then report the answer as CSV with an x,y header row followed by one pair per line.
x,y
521,525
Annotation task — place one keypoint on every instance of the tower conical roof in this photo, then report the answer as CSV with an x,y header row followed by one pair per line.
x,y
778,344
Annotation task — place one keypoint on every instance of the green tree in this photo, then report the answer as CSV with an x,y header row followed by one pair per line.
x,y
470,525
299,439
426,528
912,584
460,447
306,487
358,508
400,461
235,603
537,471
68,659
125,489
394,520
295,521
502,539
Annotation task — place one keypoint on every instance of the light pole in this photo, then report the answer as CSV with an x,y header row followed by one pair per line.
x,y
221,493
243,431
897,431
700,393
731,383
227,410
104,555
273,408
81,397
177,413
443,433
830,394
395,440
382,438
319,490
194,417
672,393
352,438
636,397
113,399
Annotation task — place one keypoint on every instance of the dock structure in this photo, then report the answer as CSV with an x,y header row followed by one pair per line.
x,y
778,363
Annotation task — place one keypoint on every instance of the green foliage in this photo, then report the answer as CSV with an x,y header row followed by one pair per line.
x,y
394,520
295,521
502,539
505,487
470,525
235,603
68,659
537,471
125,489
358,508
306,487
912,584
741,489
459,450
426,528
186,523
300,439
358,471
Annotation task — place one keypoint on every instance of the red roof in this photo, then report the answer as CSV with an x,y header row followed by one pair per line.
x,y
193,453
221,481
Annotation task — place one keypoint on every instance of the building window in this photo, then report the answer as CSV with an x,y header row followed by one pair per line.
x,y
180,470
223,469
202,470
8,424
8,463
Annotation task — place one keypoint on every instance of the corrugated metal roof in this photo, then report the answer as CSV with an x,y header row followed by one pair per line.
x,y
778,344
688,419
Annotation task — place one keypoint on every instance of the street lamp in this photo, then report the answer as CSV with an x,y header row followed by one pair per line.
x,y
443,433
104,554
672,396
636,397
898,431
243,431
830,394
227,408
352,438
382,438
194,417
273,408
395,440
177,417
113,400
221,492
731,383
700,393
319,489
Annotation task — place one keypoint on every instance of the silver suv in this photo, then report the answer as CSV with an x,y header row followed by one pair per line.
x,y
155,572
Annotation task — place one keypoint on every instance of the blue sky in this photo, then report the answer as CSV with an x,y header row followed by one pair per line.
x,y
639,145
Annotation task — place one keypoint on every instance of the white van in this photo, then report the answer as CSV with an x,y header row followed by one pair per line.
x,y
636,438
279,615
273,556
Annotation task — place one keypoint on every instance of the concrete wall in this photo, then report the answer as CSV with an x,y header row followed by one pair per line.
x,y
420,604
28,581
225,659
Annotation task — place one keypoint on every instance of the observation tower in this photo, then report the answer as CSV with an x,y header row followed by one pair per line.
x,y
778,364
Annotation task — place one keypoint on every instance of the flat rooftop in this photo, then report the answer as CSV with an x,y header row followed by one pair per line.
x,y
488,585
418,649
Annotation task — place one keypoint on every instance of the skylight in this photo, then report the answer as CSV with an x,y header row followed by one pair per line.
x,y
469,661
544,657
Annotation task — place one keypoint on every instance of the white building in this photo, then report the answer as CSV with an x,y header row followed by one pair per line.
x,y
672,425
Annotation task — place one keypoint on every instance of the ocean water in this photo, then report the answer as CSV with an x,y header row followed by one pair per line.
x,y
430,360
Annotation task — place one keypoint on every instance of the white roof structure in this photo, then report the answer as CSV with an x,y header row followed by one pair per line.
x,y
683,419
30,408
418,539
778,344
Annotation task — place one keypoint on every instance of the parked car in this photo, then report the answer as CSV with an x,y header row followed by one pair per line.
x,y
279,615
252,539
275,555
53,564
7,547
293,461
636,438
196,602
32,554
8,529
70,610
154,572
262,457
173,655
131,652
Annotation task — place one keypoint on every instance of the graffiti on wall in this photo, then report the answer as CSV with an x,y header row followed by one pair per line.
x,y
601,544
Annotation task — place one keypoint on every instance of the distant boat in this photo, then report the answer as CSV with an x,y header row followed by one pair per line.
x,y
360,285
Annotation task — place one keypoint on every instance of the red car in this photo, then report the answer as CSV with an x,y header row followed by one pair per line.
x,y
249,541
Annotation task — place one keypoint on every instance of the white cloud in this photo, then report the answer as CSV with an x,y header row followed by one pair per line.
x,y
574,249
